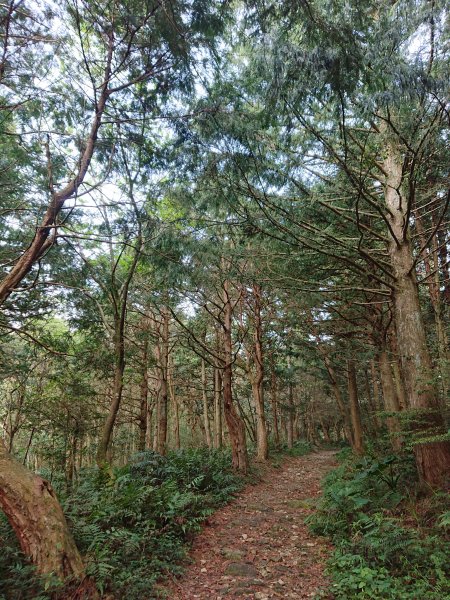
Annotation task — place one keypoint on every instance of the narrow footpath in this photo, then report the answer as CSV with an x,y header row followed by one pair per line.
x,y
258,547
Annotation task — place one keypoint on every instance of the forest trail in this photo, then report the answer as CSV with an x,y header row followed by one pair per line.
x,y
258,547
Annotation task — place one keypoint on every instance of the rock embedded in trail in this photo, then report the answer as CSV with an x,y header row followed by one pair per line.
x,y
241,570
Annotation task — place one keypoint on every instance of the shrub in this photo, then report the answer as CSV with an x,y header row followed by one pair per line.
x,y
132,527
378,554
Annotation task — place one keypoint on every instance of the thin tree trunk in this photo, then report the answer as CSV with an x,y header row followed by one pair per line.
x,y
338,396
205,406
375,386
175,404
290,416
119,352
71,464
149,429
355,413
257,379
43,238
143,401
217,408
163,356
236,427
372,407
274,404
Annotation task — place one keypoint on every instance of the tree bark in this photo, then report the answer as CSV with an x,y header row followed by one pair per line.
x,y
143,401
290,416
217,408
257,379
205,406
175,403
337,394
274,404
432,458
433,284
372,407
33,511
119,353
391,402
163,359
355,412
236,427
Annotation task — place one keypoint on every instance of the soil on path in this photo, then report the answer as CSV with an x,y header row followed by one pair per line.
x,y
258,547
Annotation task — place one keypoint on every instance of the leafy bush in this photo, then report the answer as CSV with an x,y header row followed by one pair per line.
x,y
132,527
379,555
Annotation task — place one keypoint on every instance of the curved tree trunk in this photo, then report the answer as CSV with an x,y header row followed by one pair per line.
x,y
35,514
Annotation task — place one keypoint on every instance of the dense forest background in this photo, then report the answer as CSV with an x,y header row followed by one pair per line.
x,y
222,225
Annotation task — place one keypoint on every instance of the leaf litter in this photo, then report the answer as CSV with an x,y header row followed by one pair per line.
x,y
258,546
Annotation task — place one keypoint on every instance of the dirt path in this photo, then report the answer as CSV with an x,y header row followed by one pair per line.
x,y
258,547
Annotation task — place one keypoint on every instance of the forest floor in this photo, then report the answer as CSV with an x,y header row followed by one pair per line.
x,y
258,546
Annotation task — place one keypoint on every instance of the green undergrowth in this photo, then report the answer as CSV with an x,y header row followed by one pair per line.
x,y
389,540
132,528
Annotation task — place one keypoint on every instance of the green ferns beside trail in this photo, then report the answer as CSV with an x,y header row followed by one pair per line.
x,y
132,527
389,544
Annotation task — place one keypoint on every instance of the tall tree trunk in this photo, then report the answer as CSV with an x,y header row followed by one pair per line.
x,y
217,408
236,427
375,385
355,413
391,402
432,458
337,394
33,511
431,263
205,406
119,369
163,359
372,406
175,403
258,379
290,416
149,431
442,239
143,400
274,404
